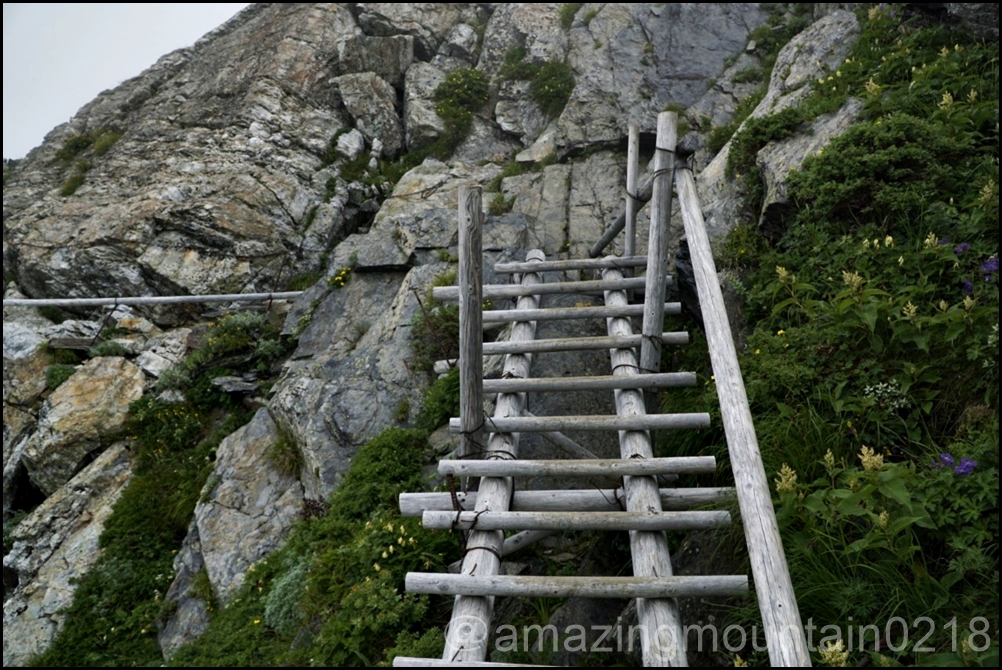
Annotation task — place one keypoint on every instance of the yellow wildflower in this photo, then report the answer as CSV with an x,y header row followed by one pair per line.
x,y
780,332
834,655
889,242
829,460
901,261
883,520
931,241
944,52
910,310
871,461
866,244
947,101
943,305
375,566
852,280
874,12
876,244
968,303
872,87
782,273
740,662
972,97
787,482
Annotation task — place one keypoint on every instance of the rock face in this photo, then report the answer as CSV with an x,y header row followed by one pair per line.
x,y
247,507
819,49
92,403
55,545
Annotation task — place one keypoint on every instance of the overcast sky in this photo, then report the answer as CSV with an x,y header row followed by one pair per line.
x,y
57,57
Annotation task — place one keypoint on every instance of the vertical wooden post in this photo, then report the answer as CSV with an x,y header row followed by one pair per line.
x,y
471,326
662,638
784,632
657,245
632,204
469,630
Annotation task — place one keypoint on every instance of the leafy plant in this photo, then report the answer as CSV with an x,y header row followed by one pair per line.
x,y
552,87
56,374
568,11
107,348
460,94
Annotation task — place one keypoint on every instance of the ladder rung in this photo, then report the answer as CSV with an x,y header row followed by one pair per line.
x,y
577,587
555,288
557,313
573,264
568,500
600,383
611,467
606,521
577,344
542,424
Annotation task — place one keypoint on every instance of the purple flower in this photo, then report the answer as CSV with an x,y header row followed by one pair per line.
x,y
990,267
945,459
961,248
943,241
969,287
966,467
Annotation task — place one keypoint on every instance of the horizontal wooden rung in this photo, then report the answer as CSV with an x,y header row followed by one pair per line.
x,y
565,500
577,344
604,467
411,662
561,313
542,424
572,264
607,521
576,587
607,382
497,291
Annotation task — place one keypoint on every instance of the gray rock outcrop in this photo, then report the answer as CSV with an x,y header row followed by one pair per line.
x,y
93,403
53,547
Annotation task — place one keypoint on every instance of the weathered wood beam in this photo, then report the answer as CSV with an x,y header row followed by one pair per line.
x,y
540,424
578,587
605,467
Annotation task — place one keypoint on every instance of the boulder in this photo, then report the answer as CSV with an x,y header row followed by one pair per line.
x,y
372,105
91,404
421,124
248,504
428,23
55,546
386,57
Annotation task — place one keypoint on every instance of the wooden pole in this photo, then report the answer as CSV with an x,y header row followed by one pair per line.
x,y
560,313
632,423
561,441
632,204
579,587
577,344
780,615
643,196
612,467
657,245
150,300
562,500
467,636
607,521
471,327
573,264
496,291
651,557
598,383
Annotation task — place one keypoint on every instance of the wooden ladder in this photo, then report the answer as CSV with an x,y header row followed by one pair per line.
x,y
489,448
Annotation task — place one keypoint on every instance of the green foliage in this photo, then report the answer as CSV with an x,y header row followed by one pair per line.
x,y
285,454
302,281
552,87
890,170
53,314
56,374
75,145
568,11
874,324
440,402
340,278
589,15
719,135
460,94
515,67
749,75
435,334
107,348
104,143
71,184
500,205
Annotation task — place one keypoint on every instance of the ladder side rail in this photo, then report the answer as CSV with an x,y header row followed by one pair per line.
x,y
469,628
662,639
780,615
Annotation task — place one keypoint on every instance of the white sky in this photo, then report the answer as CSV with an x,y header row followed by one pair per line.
x,y
57,57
